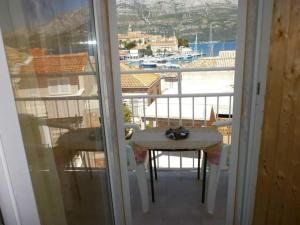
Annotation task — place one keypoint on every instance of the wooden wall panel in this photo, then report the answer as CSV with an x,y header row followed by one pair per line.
x,y
278,184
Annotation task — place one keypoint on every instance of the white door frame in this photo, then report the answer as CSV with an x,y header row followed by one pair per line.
x,y
16,192
263,35
238,90
108,56
242,194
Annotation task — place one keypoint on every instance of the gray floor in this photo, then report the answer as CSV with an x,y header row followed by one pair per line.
x,y
178,201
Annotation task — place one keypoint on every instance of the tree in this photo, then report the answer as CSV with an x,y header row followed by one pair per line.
x,y
148,51
127,114
183,42
165,51
130,45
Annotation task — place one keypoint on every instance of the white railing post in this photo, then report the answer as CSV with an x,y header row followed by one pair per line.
x,y
205,109
132,110
90,116
156,112
144,113
218,101
168,110
180,94
193,111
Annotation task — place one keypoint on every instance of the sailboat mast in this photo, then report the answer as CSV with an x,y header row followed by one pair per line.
x,y
196,43
210,41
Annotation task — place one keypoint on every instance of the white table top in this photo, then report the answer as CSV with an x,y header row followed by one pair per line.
x,y
199,138
84,139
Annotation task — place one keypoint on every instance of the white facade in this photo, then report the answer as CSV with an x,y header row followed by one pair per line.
x,y
196,83
136,53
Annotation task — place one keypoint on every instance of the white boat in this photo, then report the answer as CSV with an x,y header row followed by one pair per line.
x,y
171,66
148,65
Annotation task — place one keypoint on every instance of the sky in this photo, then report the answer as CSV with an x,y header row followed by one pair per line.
x,y
57,6
51,8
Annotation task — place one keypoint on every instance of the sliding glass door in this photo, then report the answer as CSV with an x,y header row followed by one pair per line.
x,y
51,51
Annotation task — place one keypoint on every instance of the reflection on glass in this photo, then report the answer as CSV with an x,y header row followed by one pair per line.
x,y
50,48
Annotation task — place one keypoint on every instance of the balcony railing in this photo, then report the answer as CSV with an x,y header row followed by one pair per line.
x,y
63,113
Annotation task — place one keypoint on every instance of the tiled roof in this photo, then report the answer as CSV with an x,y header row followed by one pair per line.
x,y
164,43
51,64
139,80
225,59
14,56
126,67
210,62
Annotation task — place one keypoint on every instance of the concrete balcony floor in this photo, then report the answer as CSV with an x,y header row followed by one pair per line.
x,y
178,200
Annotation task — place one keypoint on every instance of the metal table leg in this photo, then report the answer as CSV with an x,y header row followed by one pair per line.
x,y
198,171
154,161
151,175
204,177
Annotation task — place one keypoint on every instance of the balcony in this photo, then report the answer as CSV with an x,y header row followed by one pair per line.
x,y
175,104
173,107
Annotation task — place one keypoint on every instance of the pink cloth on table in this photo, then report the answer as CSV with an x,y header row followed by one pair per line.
x,y
214,154
140,153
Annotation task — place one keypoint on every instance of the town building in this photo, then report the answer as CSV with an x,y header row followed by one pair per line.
x,y
163,45
137,52
53,77
185,50
139,85
124,54
158,43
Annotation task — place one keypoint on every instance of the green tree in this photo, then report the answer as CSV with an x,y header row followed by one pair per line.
x,y
148,51
130,45
183,42
127,114
165,51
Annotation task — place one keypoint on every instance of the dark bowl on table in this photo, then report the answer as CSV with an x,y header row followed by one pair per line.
x,y
177,133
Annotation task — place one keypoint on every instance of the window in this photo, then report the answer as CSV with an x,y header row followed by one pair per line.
x,y
33,92
59,86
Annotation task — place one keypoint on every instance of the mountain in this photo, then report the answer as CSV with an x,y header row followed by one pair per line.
x,y
60,33
65,30
185,18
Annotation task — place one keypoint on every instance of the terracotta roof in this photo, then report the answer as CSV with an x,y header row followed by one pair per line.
x,y
126,67
14,56
139,80
225,59
50,64
140,47
172,43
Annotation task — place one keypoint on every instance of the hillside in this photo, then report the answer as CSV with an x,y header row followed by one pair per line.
x,y
186,18
69,29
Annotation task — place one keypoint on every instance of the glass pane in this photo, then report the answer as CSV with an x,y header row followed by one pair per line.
x,y
51,52
177,61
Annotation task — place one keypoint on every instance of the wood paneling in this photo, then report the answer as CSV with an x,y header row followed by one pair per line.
x,y
278,184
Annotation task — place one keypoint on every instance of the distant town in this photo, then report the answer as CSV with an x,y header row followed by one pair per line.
x,y
138,49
